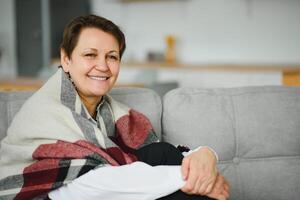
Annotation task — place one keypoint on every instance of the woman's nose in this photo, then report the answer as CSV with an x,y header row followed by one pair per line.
x,y
101,64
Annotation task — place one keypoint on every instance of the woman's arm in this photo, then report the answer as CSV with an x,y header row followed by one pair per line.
x,y
136,181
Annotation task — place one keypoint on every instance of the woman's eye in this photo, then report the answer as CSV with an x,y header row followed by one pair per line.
x,y
90,55
112,57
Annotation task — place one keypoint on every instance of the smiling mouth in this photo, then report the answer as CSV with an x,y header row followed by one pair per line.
x,y
99,78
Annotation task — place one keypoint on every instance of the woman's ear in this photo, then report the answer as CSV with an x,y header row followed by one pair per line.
x,y
64,60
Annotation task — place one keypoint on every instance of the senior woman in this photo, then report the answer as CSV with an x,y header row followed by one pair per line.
x,y
71,140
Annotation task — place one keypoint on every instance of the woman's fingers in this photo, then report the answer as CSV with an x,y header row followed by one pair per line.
x,y
185,167
207,186
220,189
191,181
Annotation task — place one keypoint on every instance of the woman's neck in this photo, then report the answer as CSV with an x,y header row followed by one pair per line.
x,y
91,104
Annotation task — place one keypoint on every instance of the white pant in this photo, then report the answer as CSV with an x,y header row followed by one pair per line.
x,y
136,181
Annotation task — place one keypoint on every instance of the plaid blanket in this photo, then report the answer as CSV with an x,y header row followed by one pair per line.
x,y
52,140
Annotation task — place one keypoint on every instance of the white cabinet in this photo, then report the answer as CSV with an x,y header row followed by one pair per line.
x,y
199,76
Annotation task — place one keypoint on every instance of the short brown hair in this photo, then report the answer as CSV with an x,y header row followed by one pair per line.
x,y
73,29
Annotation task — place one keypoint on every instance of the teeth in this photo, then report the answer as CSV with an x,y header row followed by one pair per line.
x,y
99,78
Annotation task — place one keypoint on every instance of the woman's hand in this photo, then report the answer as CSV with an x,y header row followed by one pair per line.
x,y
200,172
220,190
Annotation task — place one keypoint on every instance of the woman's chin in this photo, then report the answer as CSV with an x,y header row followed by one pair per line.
x,y
100,93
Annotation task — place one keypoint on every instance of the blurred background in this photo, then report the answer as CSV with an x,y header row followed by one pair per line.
x,y
170,43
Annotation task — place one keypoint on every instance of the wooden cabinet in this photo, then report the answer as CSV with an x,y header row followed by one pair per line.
x,y
187,75
20,84
291,78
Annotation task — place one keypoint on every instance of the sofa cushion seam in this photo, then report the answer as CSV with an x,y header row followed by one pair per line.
x,y
241,189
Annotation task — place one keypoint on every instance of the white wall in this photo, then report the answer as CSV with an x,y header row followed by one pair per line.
x,y
7,39
216,31
210,31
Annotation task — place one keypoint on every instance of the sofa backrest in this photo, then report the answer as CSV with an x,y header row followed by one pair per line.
x,y
143,100
255,131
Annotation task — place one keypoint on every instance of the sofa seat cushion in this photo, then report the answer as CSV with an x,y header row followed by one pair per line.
x,y
254,130
10,103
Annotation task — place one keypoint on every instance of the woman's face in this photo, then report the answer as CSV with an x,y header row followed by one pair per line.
x,y
94,64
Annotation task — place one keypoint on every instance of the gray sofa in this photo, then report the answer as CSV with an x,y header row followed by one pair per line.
x,y
255,131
